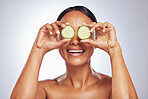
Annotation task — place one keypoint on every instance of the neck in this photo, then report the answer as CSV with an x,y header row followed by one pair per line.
x,y
78,76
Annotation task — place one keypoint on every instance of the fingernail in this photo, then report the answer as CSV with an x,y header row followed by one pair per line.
x,y
64,25
91,30
84,23
58,32
110,29
67,23
50,32
103,30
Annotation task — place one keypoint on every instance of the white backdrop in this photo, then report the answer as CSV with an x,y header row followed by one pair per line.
x,y
20,21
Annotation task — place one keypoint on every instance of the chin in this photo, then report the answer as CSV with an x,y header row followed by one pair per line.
x,y
76,62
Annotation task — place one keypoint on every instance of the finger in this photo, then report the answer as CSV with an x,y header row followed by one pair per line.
x,y
98,29
46,31
107,25
89,41
56,29
62,42
59,23
67,24
90,25
107,30
112,32
49,28
46,28
100,32
98,25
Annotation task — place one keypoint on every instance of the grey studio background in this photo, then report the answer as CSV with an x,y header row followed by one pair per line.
x,y
20,21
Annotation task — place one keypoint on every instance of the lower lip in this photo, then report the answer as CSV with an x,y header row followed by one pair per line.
x,y
75,54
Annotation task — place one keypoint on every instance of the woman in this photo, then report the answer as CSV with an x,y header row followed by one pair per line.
x,y
80,81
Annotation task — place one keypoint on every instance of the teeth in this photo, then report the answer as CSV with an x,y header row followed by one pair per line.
x,y
75,51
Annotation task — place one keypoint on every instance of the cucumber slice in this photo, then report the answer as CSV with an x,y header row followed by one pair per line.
x,y
84,32
68,32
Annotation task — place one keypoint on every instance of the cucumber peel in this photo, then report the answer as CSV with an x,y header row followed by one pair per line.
x,y
84,32
68,32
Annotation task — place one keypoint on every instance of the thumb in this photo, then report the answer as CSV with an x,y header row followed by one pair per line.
x,y
89,41
62,42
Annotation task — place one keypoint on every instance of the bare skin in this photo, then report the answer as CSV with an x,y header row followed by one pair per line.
x,y
80,81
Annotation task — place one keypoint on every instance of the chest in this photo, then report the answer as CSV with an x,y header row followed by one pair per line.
x,y
70,93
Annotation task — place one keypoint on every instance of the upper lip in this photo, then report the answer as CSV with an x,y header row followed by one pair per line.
x,y
75,49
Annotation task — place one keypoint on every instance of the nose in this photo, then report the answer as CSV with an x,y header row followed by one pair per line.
x,y
75,40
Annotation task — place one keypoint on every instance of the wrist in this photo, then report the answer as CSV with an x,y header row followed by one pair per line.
x,y
38,51
114,50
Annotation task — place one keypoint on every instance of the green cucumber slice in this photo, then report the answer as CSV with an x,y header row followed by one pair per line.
x,y
68,32
84,32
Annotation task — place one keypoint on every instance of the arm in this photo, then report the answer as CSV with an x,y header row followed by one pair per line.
x,y
27,86
122,86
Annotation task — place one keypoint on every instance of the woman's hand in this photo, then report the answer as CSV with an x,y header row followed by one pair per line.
x,y
47,37
106,38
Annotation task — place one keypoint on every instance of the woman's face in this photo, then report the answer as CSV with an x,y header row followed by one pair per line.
x,y
74,52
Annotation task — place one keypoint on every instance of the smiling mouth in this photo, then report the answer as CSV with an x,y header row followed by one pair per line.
x,y
75,52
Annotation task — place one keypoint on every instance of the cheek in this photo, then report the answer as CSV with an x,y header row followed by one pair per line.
x,y
90,47
61,51
91,50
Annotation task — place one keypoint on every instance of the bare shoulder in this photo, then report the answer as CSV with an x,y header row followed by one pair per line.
x,y
50,83
42,88
47,88
47,83
104,79
104,83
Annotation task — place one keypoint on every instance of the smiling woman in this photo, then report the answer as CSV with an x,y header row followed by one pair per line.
x,y
80,81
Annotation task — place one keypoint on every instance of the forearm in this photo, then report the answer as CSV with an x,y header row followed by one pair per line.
x,y
122,86
26,85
